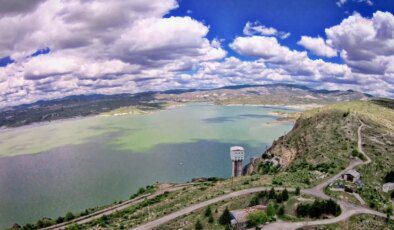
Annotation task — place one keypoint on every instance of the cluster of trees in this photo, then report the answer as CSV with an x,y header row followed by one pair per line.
x,y
318,208
46,222
356,153
271,195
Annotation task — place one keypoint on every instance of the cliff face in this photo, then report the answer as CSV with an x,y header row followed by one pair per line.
x,y
319,136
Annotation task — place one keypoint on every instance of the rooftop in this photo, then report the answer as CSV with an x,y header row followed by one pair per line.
x,y
237,148
353,172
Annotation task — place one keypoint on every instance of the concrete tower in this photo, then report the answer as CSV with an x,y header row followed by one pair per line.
x,y
237,154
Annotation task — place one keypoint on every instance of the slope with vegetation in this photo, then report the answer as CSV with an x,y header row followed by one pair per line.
x,y
324,141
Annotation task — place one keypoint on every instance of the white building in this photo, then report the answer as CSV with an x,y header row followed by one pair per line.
x,y
388,187
237,155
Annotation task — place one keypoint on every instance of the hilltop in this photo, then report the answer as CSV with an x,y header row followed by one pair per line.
x,y
140,103
322,141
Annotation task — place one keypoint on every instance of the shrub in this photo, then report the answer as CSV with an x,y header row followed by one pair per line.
x,y
225,218
256,218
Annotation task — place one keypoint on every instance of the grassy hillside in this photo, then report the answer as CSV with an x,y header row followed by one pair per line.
x,y
322,141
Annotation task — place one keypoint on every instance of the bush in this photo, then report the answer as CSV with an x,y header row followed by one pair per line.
x,y
256,218
225,218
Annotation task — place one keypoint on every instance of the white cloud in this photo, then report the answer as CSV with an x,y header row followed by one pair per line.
x,y
340,3
317,46
266,48
96,47
366,45
256,28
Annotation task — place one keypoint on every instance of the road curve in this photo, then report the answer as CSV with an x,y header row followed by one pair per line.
x,y
348,209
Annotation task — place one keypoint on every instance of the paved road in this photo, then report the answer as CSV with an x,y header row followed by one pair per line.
x,y
114,208
187,210
348,209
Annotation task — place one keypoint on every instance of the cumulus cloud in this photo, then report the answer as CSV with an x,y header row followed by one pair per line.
x,y
366,45
96,47
317,46
132,46
256,28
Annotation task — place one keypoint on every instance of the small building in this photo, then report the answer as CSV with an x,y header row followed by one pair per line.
x,y
239,217
351,175
237,155
388,187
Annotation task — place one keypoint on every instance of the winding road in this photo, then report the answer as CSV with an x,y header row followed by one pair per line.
x,y
348,209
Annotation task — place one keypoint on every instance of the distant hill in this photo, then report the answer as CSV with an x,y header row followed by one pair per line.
x,y
275,94
86,105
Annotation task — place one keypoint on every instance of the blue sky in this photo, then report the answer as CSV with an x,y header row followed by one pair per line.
x,y
227,18
52,49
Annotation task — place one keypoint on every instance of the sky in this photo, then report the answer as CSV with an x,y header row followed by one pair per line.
x,y
56,48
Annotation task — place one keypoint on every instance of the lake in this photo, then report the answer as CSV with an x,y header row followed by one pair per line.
x,y
70,165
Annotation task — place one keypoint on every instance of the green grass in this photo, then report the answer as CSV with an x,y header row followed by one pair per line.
x,y
360,222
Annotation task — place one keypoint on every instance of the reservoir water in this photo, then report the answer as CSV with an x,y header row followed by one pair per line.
x,y
49,169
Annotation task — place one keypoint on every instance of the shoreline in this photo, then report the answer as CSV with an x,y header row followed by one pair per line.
x,y
143,112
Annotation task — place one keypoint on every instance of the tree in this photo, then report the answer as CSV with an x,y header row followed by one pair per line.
x,y
389,177
272,194
281,211
69,216
198,225
225,218
279,198
270,210
285,195
389,212
59,220
210,219
208,211
256,218
297,191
